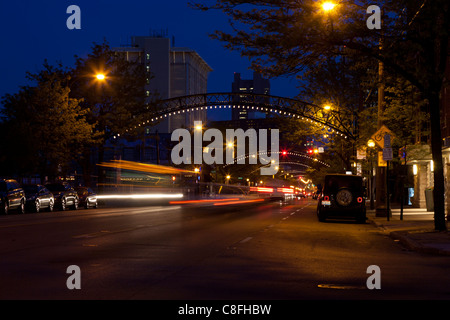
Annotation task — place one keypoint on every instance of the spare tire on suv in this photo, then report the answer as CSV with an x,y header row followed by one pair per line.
x,y
342,196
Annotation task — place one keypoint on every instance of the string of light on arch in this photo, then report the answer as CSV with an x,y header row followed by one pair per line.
x,y
279,152
275,110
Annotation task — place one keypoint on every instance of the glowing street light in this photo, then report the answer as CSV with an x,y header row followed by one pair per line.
x,y
371,143
100,76
328,6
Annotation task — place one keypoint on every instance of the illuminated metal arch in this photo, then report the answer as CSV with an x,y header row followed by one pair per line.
x,y
295,163
287,107
292,153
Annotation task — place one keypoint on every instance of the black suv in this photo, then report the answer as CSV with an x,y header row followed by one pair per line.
x,y
64,194
342,196
12,196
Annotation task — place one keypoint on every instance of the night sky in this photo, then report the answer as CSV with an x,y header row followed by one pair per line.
x,y
33,31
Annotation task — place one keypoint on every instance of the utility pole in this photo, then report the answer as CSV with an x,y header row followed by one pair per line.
x,y
381,198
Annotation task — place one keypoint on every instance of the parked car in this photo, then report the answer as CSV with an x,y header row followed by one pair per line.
x,y
87,197
12,196
342,196
64,194
38,197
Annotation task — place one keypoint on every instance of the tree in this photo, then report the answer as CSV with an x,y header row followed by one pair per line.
x,y
115,103
288,37
44,127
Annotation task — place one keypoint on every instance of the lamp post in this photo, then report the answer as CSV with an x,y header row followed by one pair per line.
x,y
381,172
371,146
197,185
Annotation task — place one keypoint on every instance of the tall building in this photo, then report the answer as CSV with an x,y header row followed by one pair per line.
x,y
172,72
257,85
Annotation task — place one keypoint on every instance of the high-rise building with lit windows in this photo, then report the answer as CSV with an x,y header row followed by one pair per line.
x,y
172,72
258,85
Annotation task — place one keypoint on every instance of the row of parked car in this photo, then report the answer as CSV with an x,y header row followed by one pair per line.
x,y
36,197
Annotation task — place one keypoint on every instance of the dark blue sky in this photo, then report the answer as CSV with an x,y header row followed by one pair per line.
x,y
32,31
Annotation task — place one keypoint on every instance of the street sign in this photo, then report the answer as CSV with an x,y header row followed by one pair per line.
x,y
378,136
387,154
381,161
360,154
387,141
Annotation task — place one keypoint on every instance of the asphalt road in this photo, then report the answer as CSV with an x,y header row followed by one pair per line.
x,y
267,250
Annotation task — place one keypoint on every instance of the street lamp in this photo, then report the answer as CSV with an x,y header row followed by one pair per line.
x,y
100,76
371,145
381,173
328,6
197,185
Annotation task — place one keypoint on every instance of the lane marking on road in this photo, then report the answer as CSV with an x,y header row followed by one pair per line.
x,y
246,240
105,232
91,235
64,216
340,286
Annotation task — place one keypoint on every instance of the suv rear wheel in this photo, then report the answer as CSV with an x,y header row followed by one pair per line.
x,y
361,218
320,215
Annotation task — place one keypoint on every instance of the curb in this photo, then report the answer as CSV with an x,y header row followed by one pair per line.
x,y
403,237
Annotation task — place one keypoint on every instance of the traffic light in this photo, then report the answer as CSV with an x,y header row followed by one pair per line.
x,y
284,153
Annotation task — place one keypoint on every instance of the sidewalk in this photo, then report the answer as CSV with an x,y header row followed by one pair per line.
x,y
416,230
